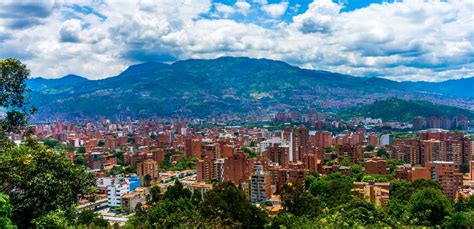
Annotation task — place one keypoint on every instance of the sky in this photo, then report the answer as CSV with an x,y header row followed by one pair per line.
x,y
412,40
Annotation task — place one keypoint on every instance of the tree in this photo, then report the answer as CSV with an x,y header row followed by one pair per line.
x,y
356,213
369,148
81,150
226,203
288,220
298,202
428,207
147,180
5,212
79,159
357,172
382,153
13,97
459,220
155,194
53,219
89,217
333,190
173,213
402,191
177,191
40,181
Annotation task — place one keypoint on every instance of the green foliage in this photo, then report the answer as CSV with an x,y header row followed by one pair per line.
x,y
421,202
101,143
40,181
177,191
369,148
464,168
5,212
288,220
184,163
298,202
378,178
13,96
252,152
53,219
459,220
227,203
81,150
79,159
154,195
172,213
355,213
357,172
428,207
89,217
333,190
382,153
405,110
51,143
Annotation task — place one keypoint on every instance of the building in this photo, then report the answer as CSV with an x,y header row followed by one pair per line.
x,y
376,165
373,140
95,161
116,190
130,200
418,123
386,139
377,193
447,173
260,186
148,171
134,182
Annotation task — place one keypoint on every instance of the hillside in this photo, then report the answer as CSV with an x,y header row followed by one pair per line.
x,y
199,88
460,87
405,110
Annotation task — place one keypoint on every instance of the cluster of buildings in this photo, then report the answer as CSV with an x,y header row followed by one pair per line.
x,y
258,160
460,122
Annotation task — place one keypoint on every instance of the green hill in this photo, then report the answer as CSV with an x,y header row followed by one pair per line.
x,y
405,110
199,88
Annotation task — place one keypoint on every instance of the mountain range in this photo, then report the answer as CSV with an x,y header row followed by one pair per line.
x,y
199,88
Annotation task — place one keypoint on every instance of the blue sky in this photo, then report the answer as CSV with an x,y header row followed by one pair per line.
x,y
431,40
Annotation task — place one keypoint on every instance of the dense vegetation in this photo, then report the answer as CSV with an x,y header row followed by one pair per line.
x,y
405,110
40,187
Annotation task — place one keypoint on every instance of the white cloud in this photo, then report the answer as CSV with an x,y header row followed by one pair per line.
x,y
242,7
263,2
275,10
318,18
70,31
411,40
224,9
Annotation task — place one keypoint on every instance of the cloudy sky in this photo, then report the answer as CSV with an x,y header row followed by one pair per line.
x,y
401,40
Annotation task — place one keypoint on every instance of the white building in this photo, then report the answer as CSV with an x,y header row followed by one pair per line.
x,y
116,191
260,186
386,139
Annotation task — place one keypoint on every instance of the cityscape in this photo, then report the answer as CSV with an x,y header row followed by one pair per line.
x,y
192,114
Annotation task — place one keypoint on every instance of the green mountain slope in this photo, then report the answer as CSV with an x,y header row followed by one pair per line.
x,y
405,110
199,88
